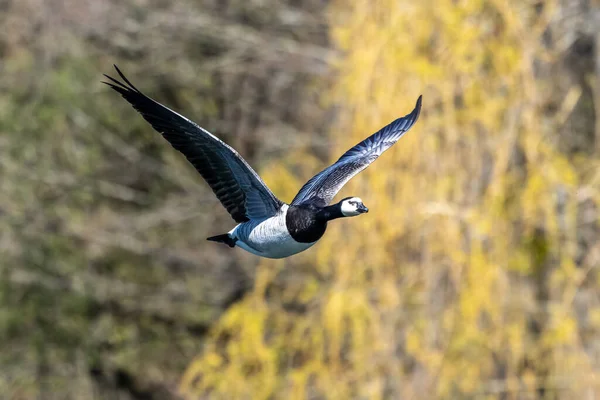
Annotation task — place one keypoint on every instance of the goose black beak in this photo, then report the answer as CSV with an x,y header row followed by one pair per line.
x,y
363,209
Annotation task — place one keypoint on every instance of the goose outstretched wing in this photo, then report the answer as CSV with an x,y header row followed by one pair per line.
x,y
323,187
237,186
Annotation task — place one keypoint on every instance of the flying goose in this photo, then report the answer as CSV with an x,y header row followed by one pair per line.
x,y
266,226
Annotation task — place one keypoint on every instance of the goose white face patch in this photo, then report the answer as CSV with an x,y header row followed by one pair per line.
x,y
352,207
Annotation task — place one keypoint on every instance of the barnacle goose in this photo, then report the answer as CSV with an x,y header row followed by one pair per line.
x,y
266,226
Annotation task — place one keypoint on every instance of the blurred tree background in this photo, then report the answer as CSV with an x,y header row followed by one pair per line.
x,y
474,276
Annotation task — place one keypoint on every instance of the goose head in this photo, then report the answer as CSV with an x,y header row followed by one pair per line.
x,y
348,207
352,206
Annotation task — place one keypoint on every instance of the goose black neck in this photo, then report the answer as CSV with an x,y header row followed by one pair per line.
x,y
330,212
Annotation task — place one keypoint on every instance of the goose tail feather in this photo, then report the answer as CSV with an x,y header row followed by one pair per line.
x,y
224,238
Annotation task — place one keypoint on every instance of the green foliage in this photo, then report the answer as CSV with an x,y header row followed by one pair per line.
x,y
107,282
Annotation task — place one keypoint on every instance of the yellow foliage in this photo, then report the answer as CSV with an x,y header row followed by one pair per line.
x,y
460,282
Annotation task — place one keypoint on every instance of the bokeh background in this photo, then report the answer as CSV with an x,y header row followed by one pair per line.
x,y
474,276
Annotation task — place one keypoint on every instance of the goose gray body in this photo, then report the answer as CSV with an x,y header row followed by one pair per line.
x,y
270,237
266,226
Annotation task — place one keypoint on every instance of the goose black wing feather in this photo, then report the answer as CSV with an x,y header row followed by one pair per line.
x,y
323,187
237,186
